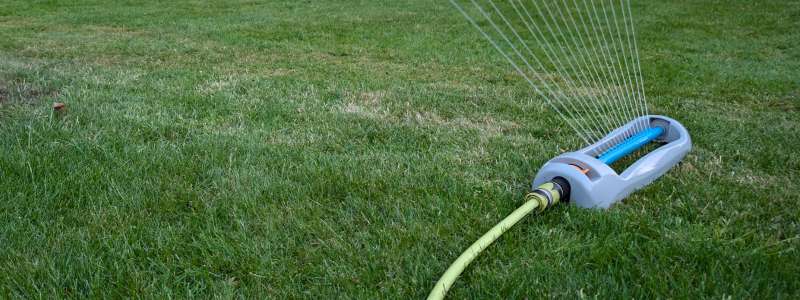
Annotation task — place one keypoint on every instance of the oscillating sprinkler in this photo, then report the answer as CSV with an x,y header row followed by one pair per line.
x,y
594,184
586,179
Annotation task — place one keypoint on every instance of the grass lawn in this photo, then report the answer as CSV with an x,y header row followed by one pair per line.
x,y
309,149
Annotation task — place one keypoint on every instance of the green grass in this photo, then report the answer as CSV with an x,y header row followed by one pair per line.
x,y
308,149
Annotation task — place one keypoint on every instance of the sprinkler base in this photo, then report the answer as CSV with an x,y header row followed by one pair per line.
x,y
594,184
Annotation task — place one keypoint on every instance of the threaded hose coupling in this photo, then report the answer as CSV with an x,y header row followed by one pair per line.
x,y
550,193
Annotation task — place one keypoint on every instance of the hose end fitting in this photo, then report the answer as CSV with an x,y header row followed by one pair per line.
x,y
550,193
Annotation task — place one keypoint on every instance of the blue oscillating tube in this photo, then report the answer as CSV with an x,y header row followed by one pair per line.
x,y
630,145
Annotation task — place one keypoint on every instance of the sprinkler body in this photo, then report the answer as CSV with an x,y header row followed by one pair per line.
x,y
594,184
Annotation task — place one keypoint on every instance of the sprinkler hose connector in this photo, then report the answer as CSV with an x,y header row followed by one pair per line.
x,y
550,193
544,196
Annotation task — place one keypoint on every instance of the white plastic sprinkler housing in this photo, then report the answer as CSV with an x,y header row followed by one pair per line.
x,y
595,184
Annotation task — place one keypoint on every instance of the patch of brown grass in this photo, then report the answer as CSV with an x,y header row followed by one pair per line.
x,y
486,126
23,93
3,94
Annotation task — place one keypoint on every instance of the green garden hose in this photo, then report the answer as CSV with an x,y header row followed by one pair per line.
x,y
546,195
